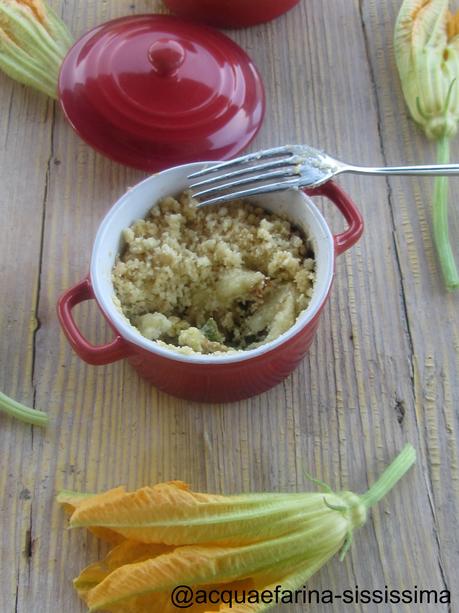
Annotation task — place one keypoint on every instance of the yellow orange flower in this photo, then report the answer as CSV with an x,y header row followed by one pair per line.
x,y
33,43
427,54
426,44
170,536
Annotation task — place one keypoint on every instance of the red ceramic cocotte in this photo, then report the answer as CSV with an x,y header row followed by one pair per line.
x,y
207,378
230,13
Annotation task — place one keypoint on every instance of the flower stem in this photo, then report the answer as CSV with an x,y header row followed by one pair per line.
x,y
440,221
21,412
393,473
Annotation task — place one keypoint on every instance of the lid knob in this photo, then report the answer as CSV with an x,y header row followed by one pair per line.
x,y
166,56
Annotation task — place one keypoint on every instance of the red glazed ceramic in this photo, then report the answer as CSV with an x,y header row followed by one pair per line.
x,y
153,91
230,13
207,378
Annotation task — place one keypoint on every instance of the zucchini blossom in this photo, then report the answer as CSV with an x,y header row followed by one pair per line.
x,y
166,537
426,47
33,43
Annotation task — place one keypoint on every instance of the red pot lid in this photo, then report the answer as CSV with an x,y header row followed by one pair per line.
x,y
153,91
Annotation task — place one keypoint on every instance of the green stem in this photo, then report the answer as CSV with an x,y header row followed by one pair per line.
x,y
66,495
21,412
393,473
440,220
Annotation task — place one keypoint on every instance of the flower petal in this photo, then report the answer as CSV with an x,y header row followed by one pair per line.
x,y
199,565
127,552
170,513
72,500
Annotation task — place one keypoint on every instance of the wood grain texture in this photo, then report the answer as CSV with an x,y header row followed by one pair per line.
x,y
382,371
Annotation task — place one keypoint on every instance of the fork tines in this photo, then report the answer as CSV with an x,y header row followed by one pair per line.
x,y
281,172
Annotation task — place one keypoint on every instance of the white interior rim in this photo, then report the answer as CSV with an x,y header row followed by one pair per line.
x,y
129,333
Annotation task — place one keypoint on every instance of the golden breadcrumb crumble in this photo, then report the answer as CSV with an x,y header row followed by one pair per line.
x,y
220,279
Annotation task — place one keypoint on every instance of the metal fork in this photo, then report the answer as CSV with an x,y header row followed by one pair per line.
x,y
282,168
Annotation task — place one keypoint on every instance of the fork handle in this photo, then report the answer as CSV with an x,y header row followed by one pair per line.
x,y
425,170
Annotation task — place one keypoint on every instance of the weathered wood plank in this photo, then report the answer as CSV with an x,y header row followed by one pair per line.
x,y
24,127
432,315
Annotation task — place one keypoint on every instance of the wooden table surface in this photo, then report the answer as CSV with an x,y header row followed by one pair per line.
x,y
382,370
